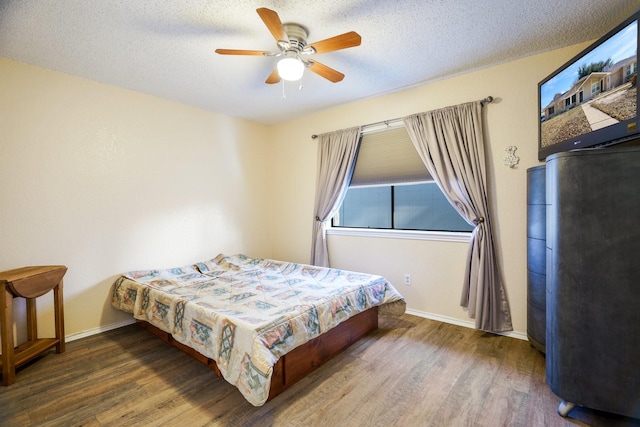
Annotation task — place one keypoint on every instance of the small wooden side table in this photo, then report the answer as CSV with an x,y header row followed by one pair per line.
x,y
28,283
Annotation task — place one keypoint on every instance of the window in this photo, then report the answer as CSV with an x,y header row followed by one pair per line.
x,y
391,189
419,206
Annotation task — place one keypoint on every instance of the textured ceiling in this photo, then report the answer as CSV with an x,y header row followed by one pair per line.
x,y
166,48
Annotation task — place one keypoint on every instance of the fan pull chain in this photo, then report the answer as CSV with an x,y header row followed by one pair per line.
x,y
284,95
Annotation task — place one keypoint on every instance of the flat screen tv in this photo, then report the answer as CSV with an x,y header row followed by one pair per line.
x,y
592,100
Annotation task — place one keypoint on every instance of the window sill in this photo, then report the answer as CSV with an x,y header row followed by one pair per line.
x,y
442,236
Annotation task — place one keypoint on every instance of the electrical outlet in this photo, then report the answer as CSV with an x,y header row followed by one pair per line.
x,y
407,279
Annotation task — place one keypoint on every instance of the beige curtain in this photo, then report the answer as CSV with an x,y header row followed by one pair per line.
x,y
451,144
336,160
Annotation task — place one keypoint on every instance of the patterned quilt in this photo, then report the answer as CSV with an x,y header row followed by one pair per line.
x,y
245,313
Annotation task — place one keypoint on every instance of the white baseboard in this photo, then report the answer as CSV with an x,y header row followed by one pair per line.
x,y
464,323
445,319
98,330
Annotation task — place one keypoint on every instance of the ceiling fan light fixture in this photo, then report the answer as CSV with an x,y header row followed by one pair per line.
x,y
290,68
291,39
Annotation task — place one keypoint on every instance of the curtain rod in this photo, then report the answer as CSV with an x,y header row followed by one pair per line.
x,y
487,100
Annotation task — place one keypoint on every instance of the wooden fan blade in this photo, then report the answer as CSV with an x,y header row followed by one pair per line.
x,y
240,52
274,77
326,72
273,23
342,41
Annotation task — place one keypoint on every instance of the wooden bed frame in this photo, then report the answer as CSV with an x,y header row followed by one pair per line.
x,y
303,359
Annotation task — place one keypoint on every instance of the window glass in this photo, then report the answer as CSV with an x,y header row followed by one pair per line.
x,y
366,207
424,207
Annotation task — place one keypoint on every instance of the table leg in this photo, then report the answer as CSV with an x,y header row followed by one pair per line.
x,y
32,320
6,330
59,316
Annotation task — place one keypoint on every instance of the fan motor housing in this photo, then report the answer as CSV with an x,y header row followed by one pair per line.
x,y
297,37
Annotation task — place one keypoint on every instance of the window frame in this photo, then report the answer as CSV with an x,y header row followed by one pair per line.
x,y
440,236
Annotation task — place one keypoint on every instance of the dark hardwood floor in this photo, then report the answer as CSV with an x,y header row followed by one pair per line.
x,y
410,372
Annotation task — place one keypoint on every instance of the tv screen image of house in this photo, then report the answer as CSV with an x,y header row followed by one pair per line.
x,y
592,99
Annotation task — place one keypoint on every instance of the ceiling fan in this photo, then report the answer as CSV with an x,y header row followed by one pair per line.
x,y
293,48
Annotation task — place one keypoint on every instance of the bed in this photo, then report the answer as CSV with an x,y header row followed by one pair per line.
x,y
261,324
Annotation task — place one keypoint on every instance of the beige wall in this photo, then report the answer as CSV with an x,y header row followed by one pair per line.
x,y
436,267
105,180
